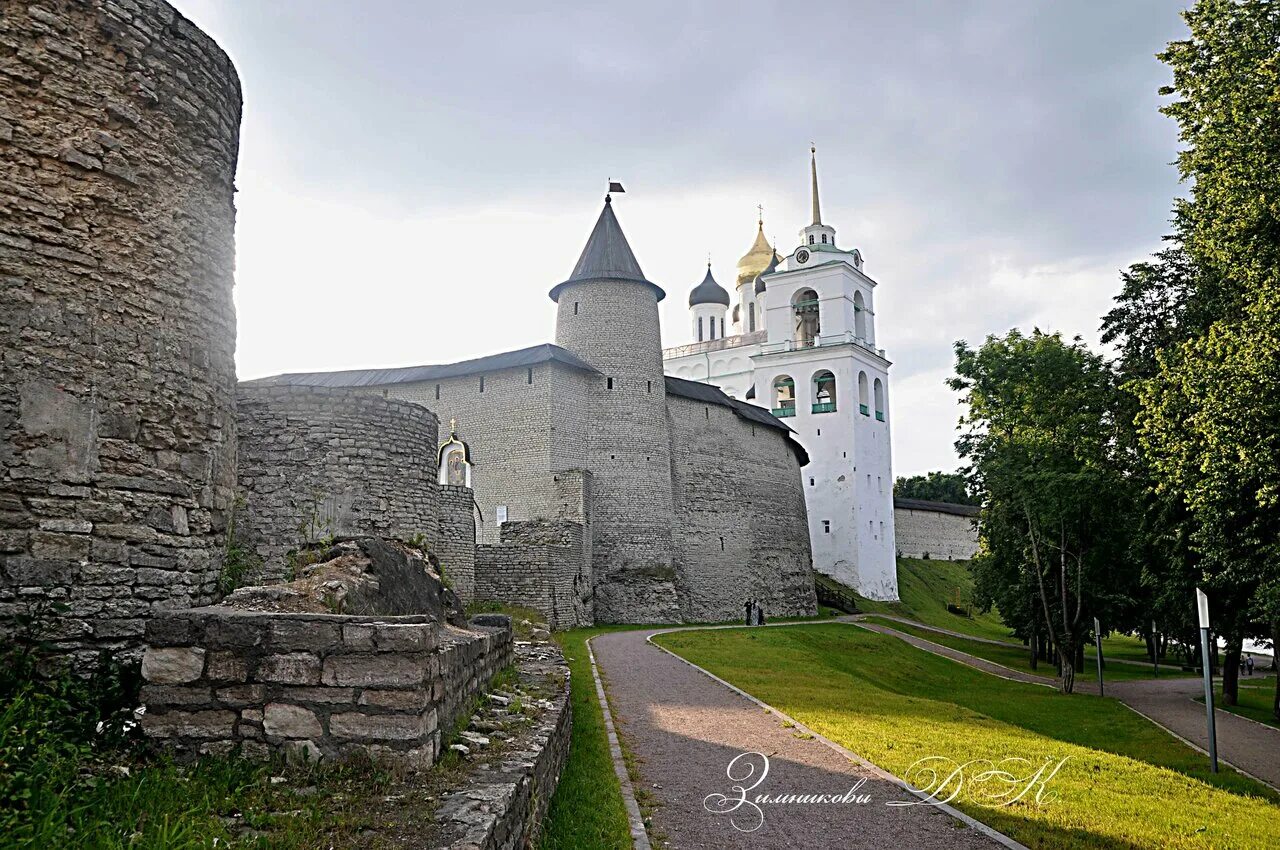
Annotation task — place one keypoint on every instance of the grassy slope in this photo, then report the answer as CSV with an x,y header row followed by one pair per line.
x,y
1127,784
924,587
1019,659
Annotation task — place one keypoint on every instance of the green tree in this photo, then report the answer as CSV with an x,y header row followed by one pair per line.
x,y
1226,78
935,487
1207,411
1210,424
1039,439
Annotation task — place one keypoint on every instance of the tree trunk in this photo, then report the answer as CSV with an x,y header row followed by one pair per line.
x,y
1153,651
1035,644
1275,666
1066,669
1231,671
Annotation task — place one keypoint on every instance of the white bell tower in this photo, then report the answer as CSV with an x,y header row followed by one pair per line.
x,y
822,371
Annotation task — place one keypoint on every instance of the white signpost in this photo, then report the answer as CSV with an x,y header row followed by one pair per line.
x,y
1202,609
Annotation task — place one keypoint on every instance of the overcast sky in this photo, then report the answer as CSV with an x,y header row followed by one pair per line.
x,y
414,177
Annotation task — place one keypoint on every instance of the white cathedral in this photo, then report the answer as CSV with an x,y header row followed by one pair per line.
x,y
799,337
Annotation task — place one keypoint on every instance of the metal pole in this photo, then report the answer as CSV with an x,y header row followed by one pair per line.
x,y
1097,637
1208,700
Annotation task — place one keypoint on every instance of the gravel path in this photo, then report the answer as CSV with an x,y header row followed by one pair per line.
x,y
685,728
1248,745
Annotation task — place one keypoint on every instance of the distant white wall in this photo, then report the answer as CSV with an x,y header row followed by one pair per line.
x,y
942,536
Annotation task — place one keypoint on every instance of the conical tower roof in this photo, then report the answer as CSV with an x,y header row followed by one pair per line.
x,y
607,256
709,292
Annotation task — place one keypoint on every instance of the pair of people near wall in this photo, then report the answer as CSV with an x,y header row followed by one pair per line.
x,y
754,612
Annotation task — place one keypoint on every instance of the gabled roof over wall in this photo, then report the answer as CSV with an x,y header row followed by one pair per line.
x,y
414,374
936,507
709,394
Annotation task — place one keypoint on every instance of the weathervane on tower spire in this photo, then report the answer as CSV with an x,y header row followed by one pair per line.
x,y
614,186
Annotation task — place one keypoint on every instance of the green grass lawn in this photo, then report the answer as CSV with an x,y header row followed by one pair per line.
x,y
1257,694
1126,783
1020,658
925,587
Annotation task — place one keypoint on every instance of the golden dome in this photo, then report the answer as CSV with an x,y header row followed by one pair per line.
x,y
755,260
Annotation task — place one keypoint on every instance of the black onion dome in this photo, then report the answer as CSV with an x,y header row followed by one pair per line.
x,y
769,269
709,292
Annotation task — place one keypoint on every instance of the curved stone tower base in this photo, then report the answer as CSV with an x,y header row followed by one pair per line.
x,y
119,131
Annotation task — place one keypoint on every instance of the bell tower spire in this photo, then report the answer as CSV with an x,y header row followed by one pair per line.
x,y
813,173
816,236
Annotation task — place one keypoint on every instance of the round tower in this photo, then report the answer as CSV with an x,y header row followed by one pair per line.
x,y
117,428
708,303
607,314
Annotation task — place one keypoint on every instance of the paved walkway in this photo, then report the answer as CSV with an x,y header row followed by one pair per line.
x,y
685,729
1013,644
1250,746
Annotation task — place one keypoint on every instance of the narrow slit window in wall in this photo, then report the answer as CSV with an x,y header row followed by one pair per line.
x,y
610,383
437,392
826,526
482,383
529,377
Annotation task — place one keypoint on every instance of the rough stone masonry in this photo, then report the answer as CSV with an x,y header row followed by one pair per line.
x,y
119,132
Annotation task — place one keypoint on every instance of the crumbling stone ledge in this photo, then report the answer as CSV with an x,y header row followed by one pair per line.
x,y
499,802
314,685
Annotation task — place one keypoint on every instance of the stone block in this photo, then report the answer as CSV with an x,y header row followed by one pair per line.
x,y
414,700
283,720
242,695
302,752
189,724
226,666
381,670
220,633
405,637
357,638
312,635
319,695
379,727
165,695
172,665
294,668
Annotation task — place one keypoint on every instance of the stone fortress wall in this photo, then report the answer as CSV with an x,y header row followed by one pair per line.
x,y
505,422
539,564
740,516
119,133
936,530
316,462
456,546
